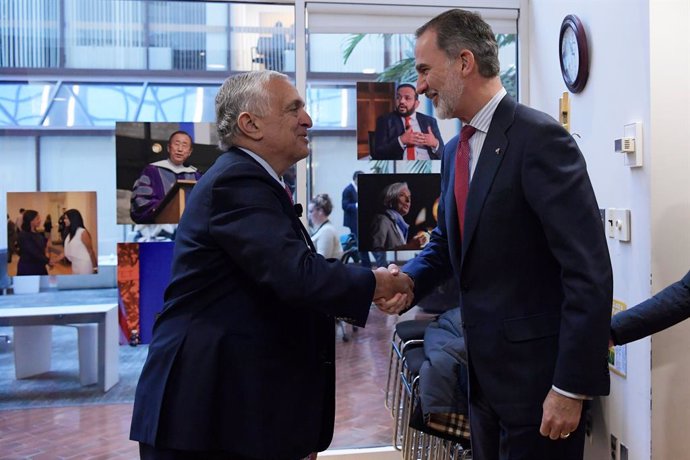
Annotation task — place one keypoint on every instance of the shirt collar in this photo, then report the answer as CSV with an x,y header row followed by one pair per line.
x,y
482,119
265,165
413,116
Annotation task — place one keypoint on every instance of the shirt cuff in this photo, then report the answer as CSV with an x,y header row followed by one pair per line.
x,y
402,146
569,394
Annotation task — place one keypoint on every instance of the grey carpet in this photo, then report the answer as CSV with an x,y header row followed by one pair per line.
x,y
60,386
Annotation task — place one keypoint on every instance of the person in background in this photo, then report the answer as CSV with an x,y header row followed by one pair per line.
x,y
158,178
48,226
350,205
79,245
19,221
668,307
519,228
11,239
241,364
61,226
33,246
324,235
389,230
406,134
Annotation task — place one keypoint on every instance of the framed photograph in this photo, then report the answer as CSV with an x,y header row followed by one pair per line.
x,y
52,233
391,124
157,165
618,354
397,211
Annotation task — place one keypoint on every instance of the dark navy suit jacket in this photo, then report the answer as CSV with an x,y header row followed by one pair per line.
x,y
390,126
242,356
668,307
533,267
349,200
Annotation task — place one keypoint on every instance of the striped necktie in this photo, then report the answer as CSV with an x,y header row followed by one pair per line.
x,y
410,147
462,173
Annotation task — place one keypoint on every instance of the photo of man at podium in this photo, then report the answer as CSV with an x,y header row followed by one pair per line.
x,y
158,195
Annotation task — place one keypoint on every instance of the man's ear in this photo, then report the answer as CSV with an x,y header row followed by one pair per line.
x,y
250,126
466,61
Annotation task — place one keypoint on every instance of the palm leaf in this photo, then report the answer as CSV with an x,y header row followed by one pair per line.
x,y
419,166
351,44
401,72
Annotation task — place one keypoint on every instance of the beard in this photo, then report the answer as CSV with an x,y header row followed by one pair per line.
x,y
449,98
403,112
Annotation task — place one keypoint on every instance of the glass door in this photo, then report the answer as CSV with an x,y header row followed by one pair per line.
x,y
345,45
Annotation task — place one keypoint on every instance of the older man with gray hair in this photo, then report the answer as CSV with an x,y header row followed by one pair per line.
x,y
241,363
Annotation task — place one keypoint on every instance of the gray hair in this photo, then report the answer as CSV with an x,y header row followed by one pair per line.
x,y
457,30
391,193
323,201
245,92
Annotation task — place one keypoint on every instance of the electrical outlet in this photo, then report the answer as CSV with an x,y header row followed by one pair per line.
x,y
618,223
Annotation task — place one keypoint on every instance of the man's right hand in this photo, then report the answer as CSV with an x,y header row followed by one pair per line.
x,y
393,292
408,137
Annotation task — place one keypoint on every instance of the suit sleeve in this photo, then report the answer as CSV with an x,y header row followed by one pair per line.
x,y
251,224
437,134
558,190
433,265
147,195
670,306
386,144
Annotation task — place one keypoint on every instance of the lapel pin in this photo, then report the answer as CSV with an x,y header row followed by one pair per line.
x,y
498,151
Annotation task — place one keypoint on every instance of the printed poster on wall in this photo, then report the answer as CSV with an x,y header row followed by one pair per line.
x,y
618,354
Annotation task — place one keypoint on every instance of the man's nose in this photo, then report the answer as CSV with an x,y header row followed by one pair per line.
x,y
306,120
421,84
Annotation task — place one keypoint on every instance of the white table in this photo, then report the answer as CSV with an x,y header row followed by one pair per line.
x,y
33,336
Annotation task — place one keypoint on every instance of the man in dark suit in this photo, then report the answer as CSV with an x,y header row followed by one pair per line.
x,y
241,363
519,227
406,134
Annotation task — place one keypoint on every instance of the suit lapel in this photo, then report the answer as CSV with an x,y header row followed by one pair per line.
x,y
452,228
398,123
490,158
421,121
285,200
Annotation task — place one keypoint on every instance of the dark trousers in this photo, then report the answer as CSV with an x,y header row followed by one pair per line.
x,y
493,439
147,452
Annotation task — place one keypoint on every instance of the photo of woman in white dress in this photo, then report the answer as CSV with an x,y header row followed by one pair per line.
x,y
78,244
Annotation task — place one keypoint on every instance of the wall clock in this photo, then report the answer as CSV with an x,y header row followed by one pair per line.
x,y
574,55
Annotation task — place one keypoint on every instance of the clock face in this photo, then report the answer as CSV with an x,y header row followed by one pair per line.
x,y
570,55
573,53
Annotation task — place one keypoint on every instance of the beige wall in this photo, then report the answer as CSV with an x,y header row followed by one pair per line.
x,y
670,218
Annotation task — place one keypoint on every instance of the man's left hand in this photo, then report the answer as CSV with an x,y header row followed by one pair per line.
x,y
426,139
561,416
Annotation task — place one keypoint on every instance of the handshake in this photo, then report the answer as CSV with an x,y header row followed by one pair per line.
x,y
393,293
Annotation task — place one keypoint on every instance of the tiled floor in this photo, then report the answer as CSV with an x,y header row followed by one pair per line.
x,y
101,432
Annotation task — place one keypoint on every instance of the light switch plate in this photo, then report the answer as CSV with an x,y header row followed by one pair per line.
x,y
618,224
